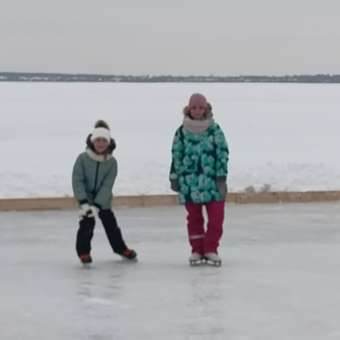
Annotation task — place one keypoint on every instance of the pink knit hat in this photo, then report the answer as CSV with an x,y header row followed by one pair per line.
x,y
197,99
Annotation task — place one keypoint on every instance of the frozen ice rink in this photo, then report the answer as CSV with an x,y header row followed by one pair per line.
x,y
280,279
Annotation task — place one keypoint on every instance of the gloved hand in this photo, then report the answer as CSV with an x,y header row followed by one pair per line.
x,y
87,210
222,187
174,185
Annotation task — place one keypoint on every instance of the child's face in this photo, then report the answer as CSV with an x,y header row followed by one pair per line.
x,y
197,111
100,145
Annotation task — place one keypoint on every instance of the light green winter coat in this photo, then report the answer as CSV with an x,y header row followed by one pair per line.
x,y
93,177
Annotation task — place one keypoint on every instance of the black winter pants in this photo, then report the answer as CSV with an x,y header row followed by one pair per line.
x,y
113,233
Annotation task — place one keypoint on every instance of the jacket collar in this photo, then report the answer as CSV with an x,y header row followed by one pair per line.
x,y
96,157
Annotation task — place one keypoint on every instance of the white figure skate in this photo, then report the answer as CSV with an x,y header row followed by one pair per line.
x,y
196,259
213,259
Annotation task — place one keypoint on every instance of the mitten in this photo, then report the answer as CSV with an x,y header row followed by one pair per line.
x,y
87,210
222,187
94,210
174,185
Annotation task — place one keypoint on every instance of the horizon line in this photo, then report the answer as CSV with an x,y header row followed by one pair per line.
x,y
172,75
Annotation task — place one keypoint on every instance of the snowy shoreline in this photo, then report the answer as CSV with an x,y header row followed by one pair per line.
x,y
283,137
147,201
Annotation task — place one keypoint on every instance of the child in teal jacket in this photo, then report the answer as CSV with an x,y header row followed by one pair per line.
x,y
198,173
93,176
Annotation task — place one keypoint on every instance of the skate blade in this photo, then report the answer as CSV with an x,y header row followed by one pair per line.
x,y
196,263
86,265
127,260
214,263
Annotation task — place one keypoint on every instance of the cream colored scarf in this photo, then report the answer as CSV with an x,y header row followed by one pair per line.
x,y
197,126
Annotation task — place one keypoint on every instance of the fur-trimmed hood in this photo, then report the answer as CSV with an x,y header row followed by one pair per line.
x,y
207,114
96,157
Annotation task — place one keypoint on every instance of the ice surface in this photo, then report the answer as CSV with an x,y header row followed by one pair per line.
x,y
283,135
280,277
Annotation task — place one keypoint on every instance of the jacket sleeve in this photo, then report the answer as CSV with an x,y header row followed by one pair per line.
x,y
222,153
78,181
105,191
177,155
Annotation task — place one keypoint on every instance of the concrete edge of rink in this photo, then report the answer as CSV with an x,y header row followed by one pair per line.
x,y
60,203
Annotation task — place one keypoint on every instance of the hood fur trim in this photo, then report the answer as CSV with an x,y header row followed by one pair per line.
x,y
207,114
96,157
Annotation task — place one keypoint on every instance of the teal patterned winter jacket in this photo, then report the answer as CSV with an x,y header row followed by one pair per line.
x,y
199,160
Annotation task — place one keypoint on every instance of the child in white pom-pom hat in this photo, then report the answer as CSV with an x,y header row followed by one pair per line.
x,y
93,176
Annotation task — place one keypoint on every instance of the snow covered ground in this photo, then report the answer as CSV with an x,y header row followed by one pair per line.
x,y
283,135
279,281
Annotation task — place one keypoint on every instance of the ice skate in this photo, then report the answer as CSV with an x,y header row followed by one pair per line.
x,y
85,259
129,254
196,259
213,259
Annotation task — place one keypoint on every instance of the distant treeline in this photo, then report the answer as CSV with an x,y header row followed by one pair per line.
x,y
63,77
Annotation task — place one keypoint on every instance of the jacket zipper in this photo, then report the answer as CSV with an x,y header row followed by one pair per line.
x,y
96,179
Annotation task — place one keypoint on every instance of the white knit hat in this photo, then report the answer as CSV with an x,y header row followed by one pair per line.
x,y
101,132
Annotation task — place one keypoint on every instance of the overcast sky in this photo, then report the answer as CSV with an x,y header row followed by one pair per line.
x,y
221,37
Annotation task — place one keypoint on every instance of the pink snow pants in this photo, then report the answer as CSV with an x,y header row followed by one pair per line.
x,y
202,241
